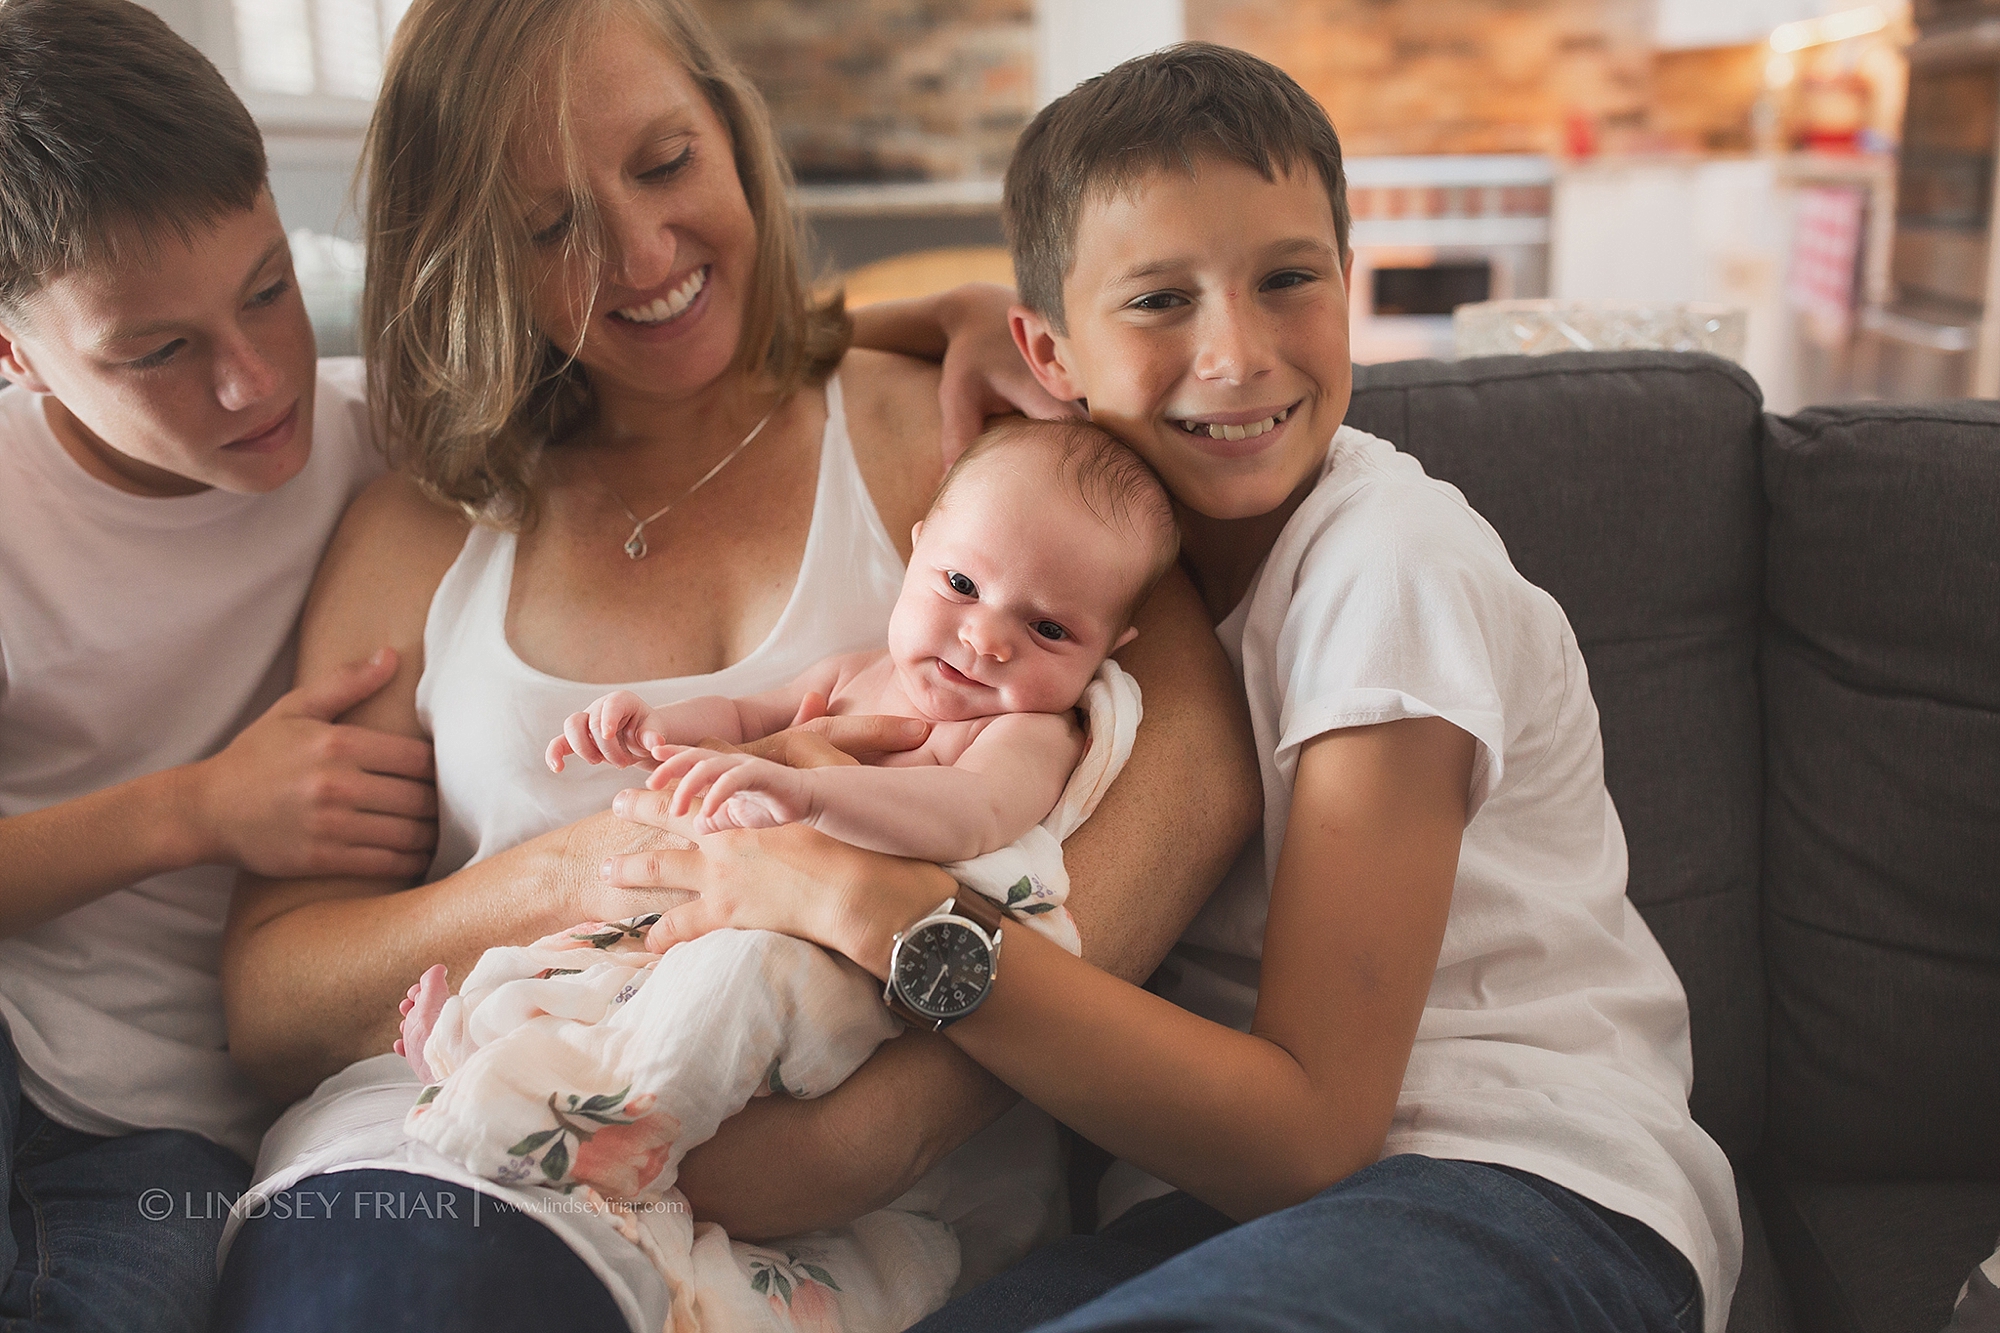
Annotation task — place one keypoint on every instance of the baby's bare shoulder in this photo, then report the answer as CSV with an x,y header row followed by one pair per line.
x,y
1052,738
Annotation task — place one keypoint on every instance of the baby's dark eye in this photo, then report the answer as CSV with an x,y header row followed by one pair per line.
x,y
1049,630
962,585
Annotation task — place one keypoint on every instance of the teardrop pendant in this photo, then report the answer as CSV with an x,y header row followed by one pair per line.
x,y
635,545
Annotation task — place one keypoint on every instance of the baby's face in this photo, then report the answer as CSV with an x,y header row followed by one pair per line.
x,y
1014,594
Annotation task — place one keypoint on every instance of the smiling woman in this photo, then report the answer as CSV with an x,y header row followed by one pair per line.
x,y
668,173
585,303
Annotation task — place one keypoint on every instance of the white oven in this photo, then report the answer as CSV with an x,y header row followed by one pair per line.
x,y
1434,233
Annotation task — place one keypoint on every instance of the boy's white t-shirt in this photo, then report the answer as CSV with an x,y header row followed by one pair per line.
x,y
1555,1035
136,634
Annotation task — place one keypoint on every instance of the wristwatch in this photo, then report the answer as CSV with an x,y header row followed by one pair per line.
x,y
942,968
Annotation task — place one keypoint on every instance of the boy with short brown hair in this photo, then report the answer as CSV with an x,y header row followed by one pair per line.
x,y
173,460
1429,1048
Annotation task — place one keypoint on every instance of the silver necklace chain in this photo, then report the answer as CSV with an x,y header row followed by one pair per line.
x,y
635,545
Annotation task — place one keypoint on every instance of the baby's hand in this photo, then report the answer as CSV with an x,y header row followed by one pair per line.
x,y
741,791
608,732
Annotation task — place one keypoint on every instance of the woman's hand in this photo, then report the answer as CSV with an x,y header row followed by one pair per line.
x,y
736,790
815,740
792,879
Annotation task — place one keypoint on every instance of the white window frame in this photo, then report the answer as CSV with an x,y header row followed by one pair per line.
x,y
315,113
1080,39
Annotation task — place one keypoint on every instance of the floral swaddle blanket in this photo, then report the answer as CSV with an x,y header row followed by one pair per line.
x,y
587,1064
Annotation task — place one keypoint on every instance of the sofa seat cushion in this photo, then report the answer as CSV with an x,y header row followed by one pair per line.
x,y
1761,1305
1878,1256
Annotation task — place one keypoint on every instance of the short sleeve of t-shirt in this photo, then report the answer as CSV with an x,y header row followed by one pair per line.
x,y
1398,606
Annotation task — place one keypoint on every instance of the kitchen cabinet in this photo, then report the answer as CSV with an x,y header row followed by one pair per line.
x,y
1720,230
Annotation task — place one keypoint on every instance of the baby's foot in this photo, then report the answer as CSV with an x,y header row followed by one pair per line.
x,y
420,1009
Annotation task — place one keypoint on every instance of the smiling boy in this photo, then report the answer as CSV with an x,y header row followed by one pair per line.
x,y
173,461
1448,1084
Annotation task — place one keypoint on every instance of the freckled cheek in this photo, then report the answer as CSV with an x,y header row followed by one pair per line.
x,y
561,294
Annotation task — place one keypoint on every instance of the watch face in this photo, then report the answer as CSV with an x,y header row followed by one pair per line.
x,y
943,969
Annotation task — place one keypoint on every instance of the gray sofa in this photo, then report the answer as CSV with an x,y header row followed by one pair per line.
x,y
1793,632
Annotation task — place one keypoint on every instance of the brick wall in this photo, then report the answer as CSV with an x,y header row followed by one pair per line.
x,y
939,89
889,89
1451,76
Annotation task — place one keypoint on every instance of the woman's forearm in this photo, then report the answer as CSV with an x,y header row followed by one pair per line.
x,y
932,812
313,969
847,1153
1170,826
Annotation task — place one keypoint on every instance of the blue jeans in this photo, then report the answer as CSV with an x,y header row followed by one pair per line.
x,y
374,1249
1411,1243
117,1234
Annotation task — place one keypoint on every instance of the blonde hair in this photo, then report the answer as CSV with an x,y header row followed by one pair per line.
x,y
467,391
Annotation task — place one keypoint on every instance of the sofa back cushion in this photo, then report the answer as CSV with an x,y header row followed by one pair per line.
x,y
1626,485
1882,848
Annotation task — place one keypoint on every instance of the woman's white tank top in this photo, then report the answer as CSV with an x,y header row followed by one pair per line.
x,y
491,715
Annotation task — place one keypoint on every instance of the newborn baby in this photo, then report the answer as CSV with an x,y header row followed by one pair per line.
x,y
1025,576
588,1062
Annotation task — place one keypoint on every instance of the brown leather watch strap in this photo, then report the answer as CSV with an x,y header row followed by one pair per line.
x,y
982,911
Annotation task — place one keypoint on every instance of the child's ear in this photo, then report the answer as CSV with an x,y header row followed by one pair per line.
x,y
1131,633
916,533
1042,348
14,366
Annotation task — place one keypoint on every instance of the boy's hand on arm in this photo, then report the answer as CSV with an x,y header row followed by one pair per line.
x,y
293,794
847,1153
966,331
299,794
983,373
